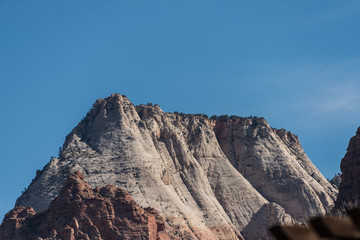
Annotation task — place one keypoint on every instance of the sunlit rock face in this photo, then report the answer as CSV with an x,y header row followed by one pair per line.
x,y
209,179
274,162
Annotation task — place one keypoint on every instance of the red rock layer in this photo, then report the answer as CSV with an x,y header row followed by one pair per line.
x,y
80,212
349,189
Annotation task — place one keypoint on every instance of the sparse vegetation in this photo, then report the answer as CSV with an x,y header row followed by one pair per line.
x,y
189,115
225,117
138,108
60,150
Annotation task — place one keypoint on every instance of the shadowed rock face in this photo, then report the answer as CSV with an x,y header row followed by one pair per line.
x,y
181,165
349,189
80,212
336,180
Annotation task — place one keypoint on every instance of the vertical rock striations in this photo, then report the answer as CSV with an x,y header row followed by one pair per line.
x,y
274,162
152,160
179,164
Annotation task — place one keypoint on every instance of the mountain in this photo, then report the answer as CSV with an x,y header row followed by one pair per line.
x,y
79,212
274,162
219,178
349,189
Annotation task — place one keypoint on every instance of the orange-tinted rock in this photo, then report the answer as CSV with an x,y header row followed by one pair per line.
x,y
13,221
80,212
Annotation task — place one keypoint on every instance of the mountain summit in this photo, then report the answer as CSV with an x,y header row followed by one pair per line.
x,y
208,178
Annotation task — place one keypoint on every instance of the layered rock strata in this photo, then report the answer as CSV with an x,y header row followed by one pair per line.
x,y
79,212
349,189
175,164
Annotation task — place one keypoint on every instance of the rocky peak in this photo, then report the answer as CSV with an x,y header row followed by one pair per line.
x,y
108,110
209,178
80,212
287,136
349,189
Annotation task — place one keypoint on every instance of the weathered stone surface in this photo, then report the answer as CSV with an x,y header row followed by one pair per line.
x,y
349,189
336,180
174,163
274,162
275,216
13,221
80,212
152,159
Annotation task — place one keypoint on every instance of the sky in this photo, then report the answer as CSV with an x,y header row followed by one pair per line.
x,y
296,63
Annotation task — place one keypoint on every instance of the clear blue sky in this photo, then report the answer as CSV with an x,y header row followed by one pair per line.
x,y
296,63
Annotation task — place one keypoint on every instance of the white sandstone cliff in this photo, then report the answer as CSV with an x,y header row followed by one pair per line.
x,y
274,162
174,163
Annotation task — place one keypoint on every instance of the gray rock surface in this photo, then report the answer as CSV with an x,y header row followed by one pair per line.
x,y
175,164
336,180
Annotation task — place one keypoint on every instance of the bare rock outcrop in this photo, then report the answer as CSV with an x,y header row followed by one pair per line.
x,y
80,212
336,180
152,159
274,162
13,221
349,189
175,164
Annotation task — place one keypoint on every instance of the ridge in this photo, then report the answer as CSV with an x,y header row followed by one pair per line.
x,y
192,169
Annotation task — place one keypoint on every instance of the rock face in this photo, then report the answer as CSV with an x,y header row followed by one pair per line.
x,y
336,180
274,162
80,212
13,221
349,190
209,179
